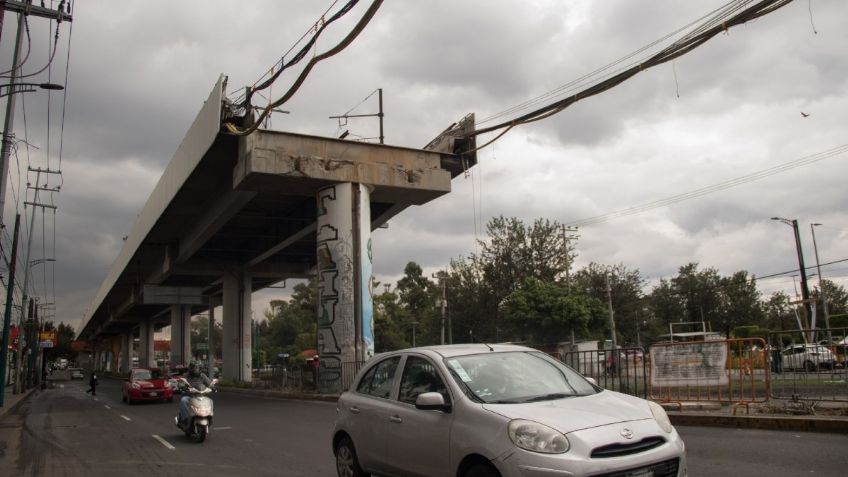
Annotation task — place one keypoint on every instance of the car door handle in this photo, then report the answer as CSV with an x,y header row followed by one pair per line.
x,y
354,410
396,419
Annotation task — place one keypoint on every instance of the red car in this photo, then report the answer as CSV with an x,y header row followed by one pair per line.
x,y
146,384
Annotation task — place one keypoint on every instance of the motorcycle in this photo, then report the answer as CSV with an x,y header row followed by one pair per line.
x,y
199,419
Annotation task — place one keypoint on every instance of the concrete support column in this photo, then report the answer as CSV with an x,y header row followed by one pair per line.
x,y
145,345
180,335
126,351
236,346
96,365
345,306
214,301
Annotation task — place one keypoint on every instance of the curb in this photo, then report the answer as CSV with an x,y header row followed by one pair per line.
x,y
773,423
9,408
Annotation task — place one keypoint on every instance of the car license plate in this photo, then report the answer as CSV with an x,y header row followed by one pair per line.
x,y
156,394
642,473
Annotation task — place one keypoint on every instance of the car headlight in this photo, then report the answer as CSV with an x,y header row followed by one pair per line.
x,y
135,386
661,416
535,437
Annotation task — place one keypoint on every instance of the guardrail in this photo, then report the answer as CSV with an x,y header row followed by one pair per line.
x,y
809,365
733,371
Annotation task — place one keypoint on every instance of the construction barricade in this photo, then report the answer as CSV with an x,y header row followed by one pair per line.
x,y
732,371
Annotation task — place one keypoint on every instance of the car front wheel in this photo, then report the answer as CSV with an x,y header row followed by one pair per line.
x,y
482,470
347,464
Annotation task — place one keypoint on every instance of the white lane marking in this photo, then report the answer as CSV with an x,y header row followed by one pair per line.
x,y
226,428
125,418
164,442
107,406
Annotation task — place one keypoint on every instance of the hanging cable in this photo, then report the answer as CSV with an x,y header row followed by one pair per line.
x,y
718,23
366,18
246,104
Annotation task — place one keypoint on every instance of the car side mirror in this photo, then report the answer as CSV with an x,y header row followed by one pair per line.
x,y
432,402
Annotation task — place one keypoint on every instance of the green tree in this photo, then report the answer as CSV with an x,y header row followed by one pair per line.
x,y
628,303
290,325
778,314
544,312
199,332
417,295
390,320
740,303
65,335
514,252
837,303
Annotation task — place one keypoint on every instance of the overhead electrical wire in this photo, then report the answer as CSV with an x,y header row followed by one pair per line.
x,y
819,156
733,14
366,18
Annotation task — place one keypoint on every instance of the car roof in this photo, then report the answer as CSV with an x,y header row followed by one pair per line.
x,y
450,351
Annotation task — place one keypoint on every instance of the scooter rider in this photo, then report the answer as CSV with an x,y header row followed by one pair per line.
x,y
197,380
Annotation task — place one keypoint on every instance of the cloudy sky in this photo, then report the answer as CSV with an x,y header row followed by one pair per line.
x,y
138,73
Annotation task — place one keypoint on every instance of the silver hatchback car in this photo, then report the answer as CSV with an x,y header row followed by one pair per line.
x,y
482,410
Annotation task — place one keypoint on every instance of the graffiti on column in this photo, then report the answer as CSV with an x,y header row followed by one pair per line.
x,y
336,332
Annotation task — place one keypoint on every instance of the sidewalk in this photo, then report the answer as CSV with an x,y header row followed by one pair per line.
x,y
12,401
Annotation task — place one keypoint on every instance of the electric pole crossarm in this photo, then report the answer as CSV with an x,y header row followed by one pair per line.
x,y
39,11
35,204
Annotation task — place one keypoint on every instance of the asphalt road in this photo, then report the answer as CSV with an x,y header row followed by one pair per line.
x,y
63,431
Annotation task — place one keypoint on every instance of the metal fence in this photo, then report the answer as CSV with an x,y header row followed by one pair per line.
x,y
809,365
624,371
300,377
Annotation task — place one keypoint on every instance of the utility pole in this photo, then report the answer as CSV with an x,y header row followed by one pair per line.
x,y
805,291
24,308
612,325
443,303
23,9
821,287
7,315
568,234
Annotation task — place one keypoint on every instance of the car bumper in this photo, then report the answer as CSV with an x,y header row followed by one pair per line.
x,y
665,460
150,395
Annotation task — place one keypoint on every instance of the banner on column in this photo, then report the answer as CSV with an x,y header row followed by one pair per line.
x,y
366,266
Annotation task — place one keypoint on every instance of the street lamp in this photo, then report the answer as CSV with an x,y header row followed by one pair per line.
x,y
13,88
805,291
821,285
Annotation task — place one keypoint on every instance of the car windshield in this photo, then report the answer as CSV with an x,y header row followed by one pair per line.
x,y
147,374
517,377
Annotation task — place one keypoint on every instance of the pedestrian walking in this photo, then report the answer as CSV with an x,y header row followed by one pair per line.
x,y
92,383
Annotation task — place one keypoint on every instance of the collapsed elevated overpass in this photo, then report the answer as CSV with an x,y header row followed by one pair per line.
x,y
232,215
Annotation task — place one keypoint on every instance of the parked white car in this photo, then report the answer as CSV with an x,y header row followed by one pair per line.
x,y
809,357
481,410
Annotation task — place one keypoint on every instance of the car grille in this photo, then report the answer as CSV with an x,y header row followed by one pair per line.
x,y
666,468
617,450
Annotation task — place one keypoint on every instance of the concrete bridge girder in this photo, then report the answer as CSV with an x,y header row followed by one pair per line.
x,y
232,215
